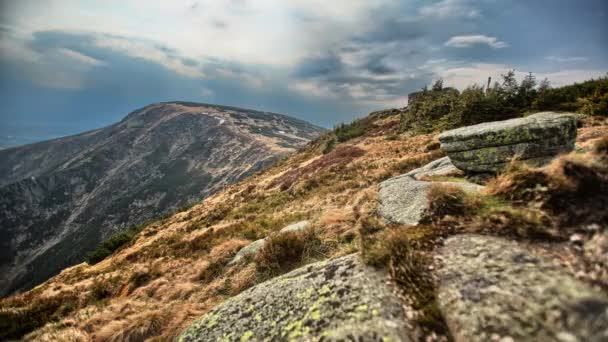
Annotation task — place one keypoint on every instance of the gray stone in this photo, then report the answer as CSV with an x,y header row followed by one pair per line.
x,y
295,227
247,250
403,199
440,167
489,287
339,299
489,146
256,245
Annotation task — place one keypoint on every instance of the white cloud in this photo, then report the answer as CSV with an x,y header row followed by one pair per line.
x,y
80,58
270,32
56,68
572,59
461,75
147,50
476,39
450,9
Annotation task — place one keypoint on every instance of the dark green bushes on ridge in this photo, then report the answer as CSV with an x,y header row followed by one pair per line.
x,y
445,108
114,243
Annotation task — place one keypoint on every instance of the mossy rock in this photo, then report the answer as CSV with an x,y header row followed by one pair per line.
x,y
330,301
490,146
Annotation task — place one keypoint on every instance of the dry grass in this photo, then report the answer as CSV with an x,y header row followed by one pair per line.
x,y
337,192
285,251
573,189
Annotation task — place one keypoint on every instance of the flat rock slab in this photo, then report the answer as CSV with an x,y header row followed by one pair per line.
x,y
491,287
403,200
507,132
489,146
334,300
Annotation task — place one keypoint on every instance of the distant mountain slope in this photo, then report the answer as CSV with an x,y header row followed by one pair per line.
x,y
60,198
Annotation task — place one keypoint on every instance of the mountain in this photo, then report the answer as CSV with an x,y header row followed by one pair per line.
x,y
60,198
370,233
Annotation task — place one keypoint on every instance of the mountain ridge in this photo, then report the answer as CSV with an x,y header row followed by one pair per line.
x,y
68,182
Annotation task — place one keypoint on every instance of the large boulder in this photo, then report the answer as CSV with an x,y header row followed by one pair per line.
x,y
335,300
403,199
493,289
489,146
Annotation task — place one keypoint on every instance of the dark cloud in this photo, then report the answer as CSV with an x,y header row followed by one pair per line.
x,y
320,65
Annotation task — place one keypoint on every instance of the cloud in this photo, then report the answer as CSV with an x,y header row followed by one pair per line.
x,y
476,39
450,9
80,58
572,59
463,74
322,61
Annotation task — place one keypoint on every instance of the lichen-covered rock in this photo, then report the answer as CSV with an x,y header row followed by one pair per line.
x,y
334,300
403,199
491,288
489,146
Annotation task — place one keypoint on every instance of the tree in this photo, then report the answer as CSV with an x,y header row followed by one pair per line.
x,y
438,85
527,91
544,85
509,83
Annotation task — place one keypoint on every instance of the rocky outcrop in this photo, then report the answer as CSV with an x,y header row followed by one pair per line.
x,y
489,146
59,199
492,289
403,199
335,300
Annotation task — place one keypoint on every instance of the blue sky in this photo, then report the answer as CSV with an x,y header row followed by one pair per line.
x,y
67,66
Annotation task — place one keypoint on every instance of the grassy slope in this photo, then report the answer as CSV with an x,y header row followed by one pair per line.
x,y
176,268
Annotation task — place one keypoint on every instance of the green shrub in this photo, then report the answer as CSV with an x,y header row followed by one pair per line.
x,y
597,104
345,132
445,108
113,244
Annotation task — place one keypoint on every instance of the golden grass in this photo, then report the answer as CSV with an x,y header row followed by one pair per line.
x,y
337,198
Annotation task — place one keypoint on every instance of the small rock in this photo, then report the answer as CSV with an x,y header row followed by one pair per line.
x,y
403,199
247,250
294,227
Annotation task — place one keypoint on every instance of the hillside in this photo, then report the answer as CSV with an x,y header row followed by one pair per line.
x,y
60,198
183,267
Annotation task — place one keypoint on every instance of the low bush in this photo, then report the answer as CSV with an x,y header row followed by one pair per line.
x,y
113,244
283,252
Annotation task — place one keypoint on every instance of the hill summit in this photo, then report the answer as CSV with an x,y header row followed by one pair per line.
x,y
60,198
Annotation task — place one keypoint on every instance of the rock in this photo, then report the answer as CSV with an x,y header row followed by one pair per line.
x,y
492,287
440,167
339,299
247,250
256,245
295,227
489,146
403,199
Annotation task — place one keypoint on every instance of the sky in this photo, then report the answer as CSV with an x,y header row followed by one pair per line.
x,y
67,66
